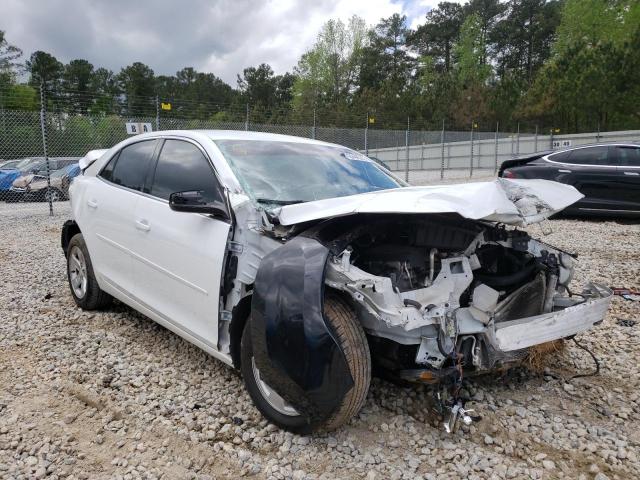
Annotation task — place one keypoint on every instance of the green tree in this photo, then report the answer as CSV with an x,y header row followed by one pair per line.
x,y
77,82
328,73
45,69
137,82
471,73
590,80
488,13
258,85
438,36
9,61
522,39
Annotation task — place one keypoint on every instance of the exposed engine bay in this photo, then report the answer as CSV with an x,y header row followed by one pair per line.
x,y
436,292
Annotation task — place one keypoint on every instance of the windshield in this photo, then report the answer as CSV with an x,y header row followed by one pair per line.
x,y
28,164
287,172
59,173
10,164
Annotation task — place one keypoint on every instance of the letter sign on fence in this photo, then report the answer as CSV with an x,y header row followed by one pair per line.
x,y
136,128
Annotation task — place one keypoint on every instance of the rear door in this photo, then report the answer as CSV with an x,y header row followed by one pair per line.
x,y
592,172
178,257
628,160
107,213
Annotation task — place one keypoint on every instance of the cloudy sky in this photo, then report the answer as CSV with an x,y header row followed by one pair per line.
x,y
218,36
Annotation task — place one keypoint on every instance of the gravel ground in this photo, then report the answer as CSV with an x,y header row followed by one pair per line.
x,y
113,395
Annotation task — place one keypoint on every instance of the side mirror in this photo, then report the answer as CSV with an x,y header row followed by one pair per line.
x,y
194,202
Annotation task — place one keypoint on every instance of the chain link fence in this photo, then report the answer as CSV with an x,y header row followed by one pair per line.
x,y
40,145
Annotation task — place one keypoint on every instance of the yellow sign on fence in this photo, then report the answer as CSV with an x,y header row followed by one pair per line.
x,y
165,106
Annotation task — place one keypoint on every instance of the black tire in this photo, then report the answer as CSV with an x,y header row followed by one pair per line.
x,y
93,298
53,192
353,341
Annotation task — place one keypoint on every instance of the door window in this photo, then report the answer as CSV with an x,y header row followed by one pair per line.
x,y
627,156
183,167
589,156
129,168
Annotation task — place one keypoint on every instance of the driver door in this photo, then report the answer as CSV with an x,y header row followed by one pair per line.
x,y
178,257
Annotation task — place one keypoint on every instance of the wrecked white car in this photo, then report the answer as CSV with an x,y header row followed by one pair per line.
x,y
305,265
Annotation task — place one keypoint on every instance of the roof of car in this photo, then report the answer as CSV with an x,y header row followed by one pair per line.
x,y
236,135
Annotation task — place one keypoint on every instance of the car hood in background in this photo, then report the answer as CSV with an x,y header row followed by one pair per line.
x,y
23,181
513,202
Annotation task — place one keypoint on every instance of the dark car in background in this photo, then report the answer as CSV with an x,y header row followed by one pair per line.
x,y
608,175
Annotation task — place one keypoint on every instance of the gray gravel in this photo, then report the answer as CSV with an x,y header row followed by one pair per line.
x,y
113,395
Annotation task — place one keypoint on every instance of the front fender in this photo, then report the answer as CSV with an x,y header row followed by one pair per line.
x,y
293,345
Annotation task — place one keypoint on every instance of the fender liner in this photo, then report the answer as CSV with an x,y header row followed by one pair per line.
x,y
69,229
293,346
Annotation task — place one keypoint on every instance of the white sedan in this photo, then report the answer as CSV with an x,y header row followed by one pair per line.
x,y
305,264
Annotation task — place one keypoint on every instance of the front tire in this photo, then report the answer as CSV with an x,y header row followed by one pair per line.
x,y
82,281
352,341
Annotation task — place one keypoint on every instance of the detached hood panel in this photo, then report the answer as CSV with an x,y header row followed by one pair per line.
x,y
513,202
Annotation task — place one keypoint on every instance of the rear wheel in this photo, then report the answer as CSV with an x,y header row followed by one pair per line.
x,y
352,341
82,281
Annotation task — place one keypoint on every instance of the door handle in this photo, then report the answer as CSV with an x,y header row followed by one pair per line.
x,y
564,171
635,174
143,225
92,204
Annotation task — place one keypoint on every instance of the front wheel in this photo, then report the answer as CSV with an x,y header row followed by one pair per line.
x,y
352,341
82,281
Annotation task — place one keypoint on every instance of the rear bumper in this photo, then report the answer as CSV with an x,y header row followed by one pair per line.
x,y
530,331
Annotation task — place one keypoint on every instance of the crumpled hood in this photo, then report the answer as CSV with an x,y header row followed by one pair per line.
x,y
509,201
23,181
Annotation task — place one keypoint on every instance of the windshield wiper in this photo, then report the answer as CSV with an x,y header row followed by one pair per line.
x,y
279,202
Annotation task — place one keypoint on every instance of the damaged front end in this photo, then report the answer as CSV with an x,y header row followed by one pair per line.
x,y
441,297
438,292
443,285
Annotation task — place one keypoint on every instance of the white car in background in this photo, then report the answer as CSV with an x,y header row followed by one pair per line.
x,y
304,264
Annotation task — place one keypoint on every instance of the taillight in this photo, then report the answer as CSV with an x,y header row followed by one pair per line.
x,y
508,174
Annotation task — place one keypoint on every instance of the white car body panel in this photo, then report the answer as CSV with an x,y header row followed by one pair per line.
x,y
514,202
106,211
90,157
177,266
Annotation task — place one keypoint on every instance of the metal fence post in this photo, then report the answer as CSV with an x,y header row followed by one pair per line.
x,y
471,152
518,141
535,140
551,140
422,151
512,136
246,121
598,133
366,136
313,129
157,114
495,149
406,143
442,151
3,129
43,128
